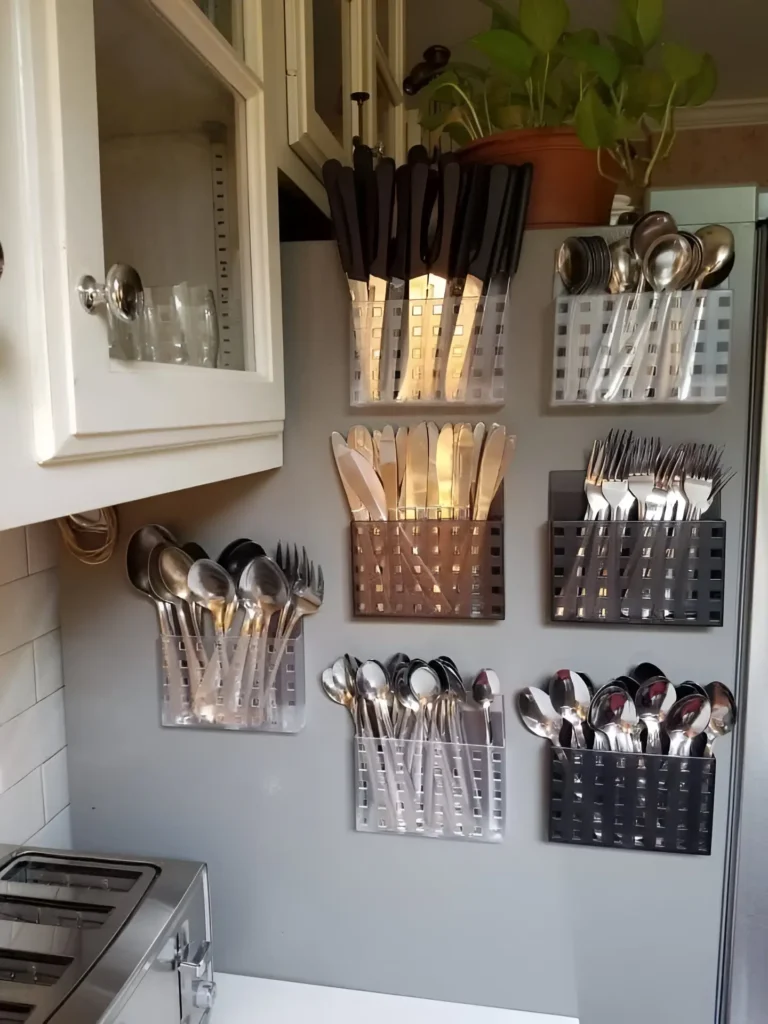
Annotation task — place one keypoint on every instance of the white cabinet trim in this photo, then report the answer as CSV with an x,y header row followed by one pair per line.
x,y
86,405
307,132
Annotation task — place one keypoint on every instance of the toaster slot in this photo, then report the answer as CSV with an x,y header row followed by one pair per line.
x,y
55,913
14,1013
73,876
32,968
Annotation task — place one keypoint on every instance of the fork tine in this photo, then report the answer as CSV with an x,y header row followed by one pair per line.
x,y
279,555
320,589
298,566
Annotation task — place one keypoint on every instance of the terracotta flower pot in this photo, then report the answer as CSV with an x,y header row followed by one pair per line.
x,y
568,190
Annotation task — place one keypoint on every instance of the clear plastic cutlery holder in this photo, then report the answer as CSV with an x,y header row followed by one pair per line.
x,y
428,351
220,685
428,569
632,801
632,573
437,789
640,349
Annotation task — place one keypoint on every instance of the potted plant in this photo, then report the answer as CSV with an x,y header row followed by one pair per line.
x,y
590,113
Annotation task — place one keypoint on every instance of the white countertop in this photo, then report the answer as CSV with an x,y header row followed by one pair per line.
x,y
249,1000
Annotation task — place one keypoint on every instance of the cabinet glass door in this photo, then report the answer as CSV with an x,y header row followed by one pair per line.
x,y
157,163
227,16
318,50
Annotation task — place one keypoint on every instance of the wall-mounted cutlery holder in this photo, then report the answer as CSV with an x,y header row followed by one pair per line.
x,y
428,569
212,685
639,349
632,801
437,789
632,573
448,352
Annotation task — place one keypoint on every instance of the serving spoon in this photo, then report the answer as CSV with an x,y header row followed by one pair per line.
x,y
137,567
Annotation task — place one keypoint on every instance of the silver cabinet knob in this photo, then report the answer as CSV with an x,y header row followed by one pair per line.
x,y
122,293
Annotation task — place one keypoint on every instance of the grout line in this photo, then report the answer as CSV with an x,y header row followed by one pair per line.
x,y
29,643
36,704
47,823
26,547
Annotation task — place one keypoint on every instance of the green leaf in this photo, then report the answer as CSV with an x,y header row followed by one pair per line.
x,y
626,52
595,124
628,128
507,49
702,86
543,22
458,133
644,89
599,59
502,16
627,30
649,17
680,63
433,120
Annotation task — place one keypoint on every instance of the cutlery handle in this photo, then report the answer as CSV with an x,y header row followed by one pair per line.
x,y
205,699
652,736
480,265
448,203
488,730
577,733
474,191
331,171
346,185
419,218
522,197
677,743
385,192
367,200
399,264
171,661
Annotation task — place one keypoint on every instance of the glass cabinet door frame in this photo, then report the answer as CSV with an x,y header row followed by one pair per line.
x,y
385,64
308,134
86,404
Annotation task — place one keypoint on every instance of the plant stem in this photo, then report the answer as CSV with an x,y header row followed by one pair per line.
x,y
581,87
478,130
664,127
529,89
619,160
543,92
469,126
487,111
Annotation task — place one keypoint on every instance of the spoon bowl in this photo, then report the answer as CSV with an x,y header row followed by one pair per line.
x,y
647,229
687,719
723,717
335,685
718,247
212,589
667,262
653,699
571,697
626,269
606,713
538,714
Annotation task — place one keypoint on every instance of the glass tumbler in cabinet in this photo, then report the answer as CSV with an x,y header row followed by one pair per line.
x,y
170,238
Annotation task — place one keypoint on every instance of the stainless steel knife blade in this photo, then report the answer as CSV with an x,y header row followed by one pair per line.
x,y
360,476
356,506
418,469
445,469
463,469
433,496
490,465
388,469
361,440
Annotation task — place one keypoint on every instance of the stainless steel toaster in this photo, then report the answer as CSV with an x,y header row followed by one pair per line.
x,y
86,939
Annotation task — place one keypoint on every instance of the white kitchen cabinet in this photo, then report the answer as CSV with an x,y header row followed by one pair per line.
x,y
335,49
135,134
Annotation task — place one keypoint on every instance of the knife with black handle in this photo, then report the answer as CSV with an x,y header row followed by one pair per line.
x,y
440,271
331,171
367,202
397,324
411,381
380,322
479,275
489,317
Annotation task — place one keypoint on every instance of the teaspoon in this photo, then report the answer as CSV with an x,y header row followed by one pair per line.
x,y
570,696
723,717
213,590
605,715
539,716
335,686
687,719
654,698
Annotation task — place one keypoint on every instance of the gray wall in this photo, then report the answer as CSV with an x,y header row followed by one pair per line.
x,y
297,893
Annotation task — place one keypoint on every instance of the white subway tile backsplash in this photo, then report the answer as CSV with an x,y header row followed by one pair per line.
x,y
48,671
21,809
31,738
57,834
55,784
29,607
13,555
17,682
34,785
42,546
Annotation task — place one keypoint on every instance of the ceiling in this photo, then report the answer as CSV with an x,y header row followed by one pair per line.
x,y
735,32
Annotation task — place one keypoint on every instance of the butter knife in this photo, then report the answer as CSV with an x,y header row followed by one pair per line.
x,y
463,468
360,439
479,438
445,470
417,469
356,506
433,495
490,465
388,469
401,443
358,474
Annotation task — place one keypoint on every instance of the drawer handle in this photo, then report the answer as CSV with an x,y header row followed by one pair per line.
x,y
122,293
